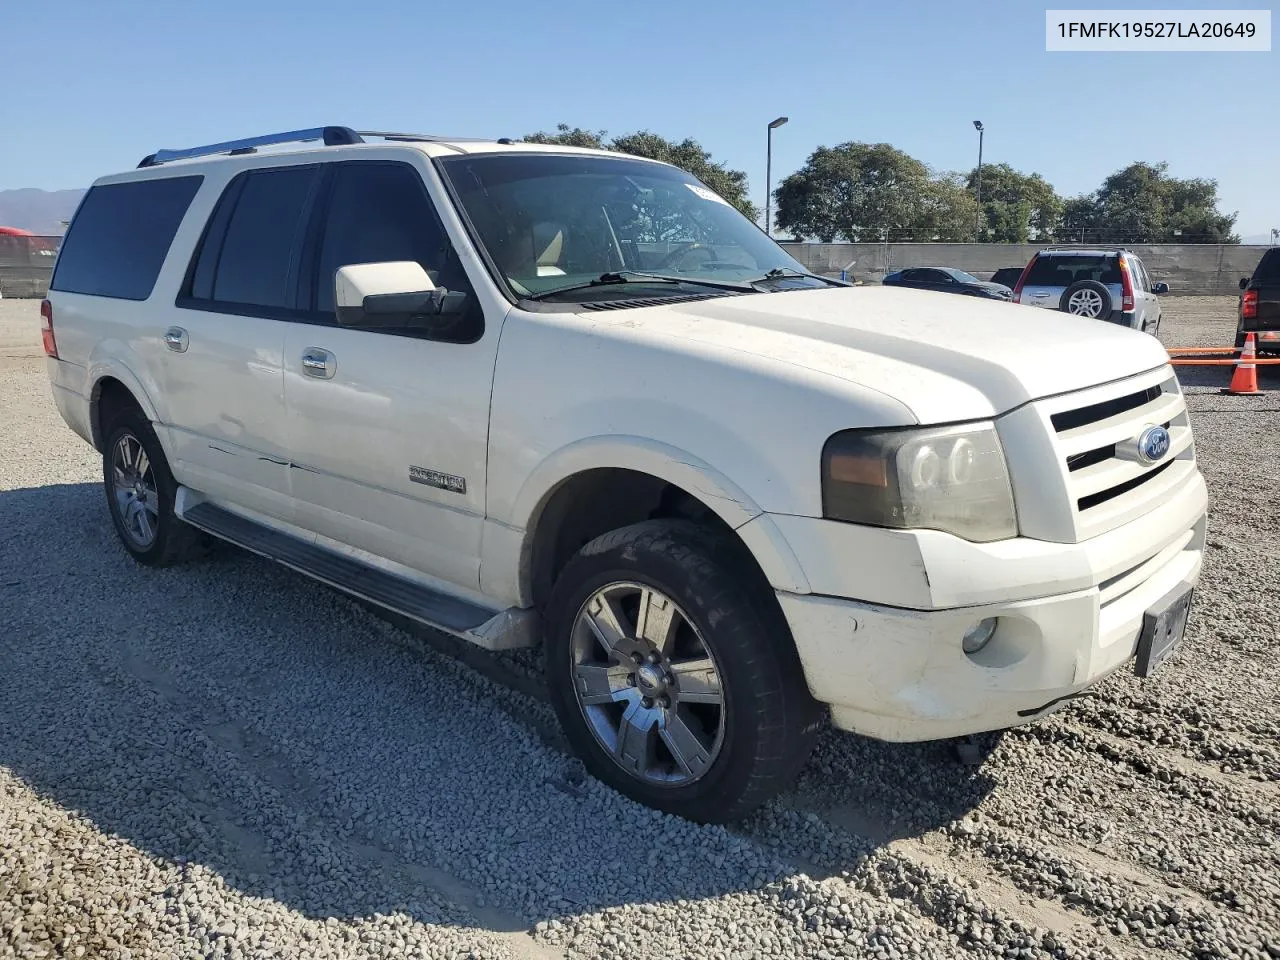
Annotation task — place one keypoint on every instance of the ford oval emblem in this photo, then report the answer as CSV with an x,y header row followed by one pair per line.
x,y
1153,444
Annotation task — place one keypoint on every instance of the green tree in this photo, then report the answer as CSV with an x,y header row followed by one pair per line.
x,y
577,137
686,154
872,191
947,210
1014,204
1080,217
1143,204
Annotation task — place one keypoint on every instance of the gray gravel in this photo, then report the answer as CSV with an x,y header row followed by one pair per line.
x,y
227,760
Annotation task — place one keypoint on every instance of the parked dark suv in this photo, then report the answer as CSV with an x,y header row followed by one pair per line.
x,y
1008,276
1259,309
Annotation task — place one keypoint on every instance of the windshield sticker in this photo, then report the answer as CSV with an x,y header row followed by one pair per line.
x,y
706,194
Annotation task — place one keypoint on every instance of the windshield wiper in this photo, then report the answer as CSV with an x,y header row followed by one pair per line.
x,y
777,273
636,276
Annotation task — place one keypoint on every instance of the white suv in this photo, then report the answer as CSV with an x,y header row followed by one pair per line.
x,y
531,394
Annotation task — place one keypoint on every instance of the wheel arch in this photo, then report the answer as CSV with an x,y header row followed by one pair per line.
x,y
114,387
573,499
109,396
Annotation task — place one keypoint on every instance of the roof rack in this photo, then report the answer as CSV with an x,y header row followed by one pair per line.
x,y
1085,246
331,136
421,137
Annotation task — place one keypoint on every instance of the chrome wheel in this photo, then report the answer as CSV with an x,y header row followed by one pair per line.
x,y
647,684
1085,303
133,491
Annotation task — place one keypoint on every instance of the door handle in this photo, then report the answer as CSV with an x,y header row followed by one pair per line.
x,y
320,363
175,338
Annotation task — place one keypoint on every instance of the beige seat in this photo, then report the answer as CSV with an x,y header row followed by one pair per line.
x,y
548,245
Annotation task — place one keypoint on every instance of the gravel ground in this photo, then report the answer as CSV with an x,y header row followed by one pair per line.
x,y
228,760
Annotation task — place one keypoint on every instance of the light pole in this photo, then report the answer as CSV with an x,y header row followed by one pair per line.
x,y
977,225
768,176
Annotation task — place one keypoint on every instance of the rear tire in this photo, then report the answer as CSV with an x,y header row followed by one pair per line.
x,y
1087,298
140,492
674,680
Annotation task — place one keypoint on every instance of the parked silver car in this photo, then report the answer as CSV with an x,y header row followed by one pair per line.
x,y
1110,285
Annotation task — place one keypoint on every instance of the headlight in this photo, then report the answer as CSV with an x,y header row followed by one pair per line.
x,y
939,478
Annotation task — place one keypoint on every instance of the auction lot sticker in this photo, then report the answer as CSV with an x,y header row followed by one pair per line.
x,y
1204,31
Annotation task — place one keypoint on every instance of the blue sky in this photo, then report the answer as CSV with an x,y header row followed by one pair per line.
x,y
93,86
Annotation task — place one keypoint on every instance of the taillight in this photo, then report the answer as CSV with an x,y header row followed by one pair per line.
x,y
1022,279
1126,281
1249,305
46,328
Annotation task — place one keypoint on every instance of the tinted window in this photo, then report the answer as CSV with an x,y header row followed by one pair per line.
x,y
1064,271
121,235
253,266
937,276
1268,270
380,212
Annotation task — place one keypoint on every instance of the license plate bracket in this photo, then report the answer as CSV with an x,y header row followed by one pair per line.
x,y
1163,626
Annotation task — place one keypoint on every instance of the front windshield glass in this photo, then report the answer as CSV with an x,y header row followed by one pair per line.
x,y
554,221
964,277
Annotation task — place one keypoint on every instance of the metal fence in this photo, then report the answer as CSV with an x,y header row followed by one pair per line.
x,y
26,264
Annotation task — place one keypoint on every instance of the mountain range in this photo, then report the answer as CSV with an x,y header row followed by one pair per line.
x,y
40,211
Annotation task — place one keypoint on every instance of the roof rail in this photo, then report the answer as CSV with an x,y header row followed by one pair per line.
x,y
1085,246
421,137
332,136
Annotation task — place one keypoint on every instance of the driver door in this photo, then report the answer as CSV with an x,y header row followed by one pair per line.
x,y
388,428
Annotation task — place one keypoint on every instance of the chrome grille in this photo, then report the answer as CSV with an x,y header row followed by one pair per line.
x,y
1095,434
1074,458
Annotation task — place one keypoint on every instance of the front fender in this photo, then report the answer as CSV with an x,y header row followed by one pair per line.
x,y
675,466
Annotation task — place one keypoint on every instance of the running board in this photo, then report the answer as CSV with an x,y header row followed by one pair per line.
x,y
489,628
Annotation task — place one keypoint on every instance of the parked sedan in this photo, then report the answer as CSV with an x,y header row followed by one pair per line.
x,y
947,280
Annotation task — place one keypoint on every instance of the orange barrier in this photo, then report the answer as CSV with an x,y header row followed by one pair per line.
x,y
1173,350
1177,362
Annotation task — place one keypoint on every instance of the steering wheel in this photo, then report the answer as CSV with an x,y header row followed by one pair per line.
x,y
679,254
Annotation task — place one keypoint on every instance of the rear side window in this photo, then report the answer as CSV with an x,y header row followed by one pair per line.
x,y
247,260
1139,273
1268,267
120,236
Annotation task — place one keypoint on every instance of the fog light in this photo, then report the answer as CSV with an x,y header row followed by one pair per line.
x,y
976,637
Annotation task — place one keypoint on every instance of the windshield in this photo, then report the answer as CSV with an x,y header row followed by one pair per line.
x,y
964,277
553,221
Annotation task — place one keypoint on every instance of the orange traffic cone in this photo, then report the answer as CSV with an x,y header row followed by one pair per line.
x,y
1245,377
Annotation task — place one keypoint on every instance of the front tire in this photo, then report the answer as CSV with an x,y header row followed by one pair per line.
x,y
675,681
140,492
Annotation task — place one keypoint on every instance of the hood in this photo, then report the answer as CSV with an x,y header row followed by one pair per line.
x,y
945,358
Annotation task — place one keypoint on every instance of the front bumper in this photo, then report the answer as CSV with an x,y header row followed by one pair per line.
x,y
897,673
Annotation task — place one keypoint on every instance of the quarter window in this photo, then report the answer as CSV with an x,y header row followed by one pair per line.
x,y
120,237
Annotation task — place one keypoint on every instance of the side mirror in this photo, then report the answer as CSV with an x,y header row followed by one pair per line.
x,y
1244,283
391,295
1160,287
